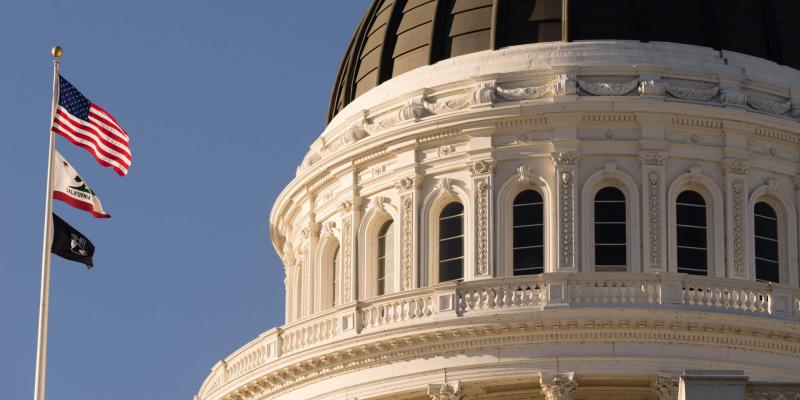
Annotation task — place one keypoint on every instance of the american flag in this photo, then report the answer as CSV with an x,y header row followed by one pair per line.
x,y
87,125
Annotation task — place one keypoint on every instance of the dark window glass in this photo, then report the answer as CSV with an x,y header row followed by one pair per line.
x,y
385,257
691,233
610,229
765,222
451,242
528,231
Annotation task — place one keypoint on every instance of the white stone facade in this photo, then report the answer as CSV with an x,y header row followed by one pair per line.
x,y
564,120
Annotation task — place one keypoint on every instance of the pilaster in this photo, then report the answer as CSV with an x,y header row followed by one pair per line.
x,y
350,214
482,181
409,190
654,209
566,206
735,178
311,238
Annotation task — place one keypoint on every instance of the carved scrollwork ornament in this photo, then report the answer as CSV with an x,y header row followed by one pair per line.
x,y
731,166
379,203
653,157
345,206
484,94
651,84
654,188
347,246
524,174
413,110
407,241
608,88
738,227
482,194
733,94
444,186
566,84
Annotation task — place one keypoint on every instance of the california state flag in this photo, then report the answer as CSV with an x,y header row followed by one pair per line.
x,y
70,188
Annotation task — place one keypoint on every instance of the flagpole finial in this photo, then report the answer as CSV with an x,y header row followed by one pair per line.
x,y
57,52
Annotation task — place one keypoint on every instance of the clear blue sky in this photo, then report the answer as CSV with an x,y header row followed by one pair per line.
x,y
221,100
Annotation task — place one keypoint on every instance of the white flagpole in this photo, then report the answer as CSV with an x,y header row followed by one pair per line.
x,y
41,345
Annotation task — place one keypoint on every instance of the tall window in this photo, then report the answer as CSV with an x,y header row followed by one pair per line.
x,y
691,233
335,268
528,246
610,230
765,222
451,242
385,258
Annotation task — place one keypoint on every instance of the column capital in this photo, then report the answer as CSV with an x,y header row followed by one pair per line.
x,y
558,386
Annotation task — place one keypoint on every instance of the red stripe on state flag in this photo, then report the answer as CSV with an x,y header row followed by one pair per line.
x,y
81,205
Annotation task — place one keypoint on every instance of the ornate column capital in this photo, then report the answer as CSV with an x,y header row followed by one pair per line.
x,y
482,167
445,391
558,386
666,387
734,166
561,158
409,183
653,157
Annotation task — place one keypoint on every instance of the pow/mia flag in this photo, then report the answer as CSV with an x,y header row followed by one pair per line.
x,y
71,244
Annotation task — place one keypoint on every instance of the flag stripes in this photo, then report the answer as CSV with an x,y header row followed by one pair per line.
x,y
88,126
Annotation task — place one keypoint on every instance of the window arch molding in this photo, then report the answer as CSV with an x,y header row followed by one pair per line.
x,y
372,222
444,192
787,232
329,244
611,176
696,181
505,201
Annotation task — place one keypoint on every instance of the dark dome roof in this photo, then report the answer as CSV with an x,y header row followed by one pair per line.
x,y
396,36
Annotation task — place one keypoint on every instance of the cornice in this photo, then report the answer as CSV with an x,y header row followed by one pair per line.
x,y
423,342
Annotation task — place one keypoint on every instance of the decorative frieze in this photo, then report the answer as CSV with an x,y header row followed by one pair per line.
x,y
608,88
691,93
482,167
564,157
769,106
558,386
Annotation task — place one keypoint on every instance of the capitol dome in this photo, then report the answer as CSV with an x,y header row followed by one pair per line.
x,y
555,199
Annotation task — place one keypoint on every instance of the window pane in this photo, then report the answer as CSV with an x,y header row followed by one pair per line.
x,y
528,215
692,258
609,193
451,227
767,271
452,209
528,236
528,197
767,249
691,197
692,237
609,233
764,209
690,215
610,254
766,227
609,212
529,261
451,248
451,270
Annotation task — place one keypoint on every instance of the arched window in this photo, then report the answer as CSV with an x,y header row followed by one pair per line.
x,y
610,230
765,223
528,225
385,258
691,233
335,269
451,242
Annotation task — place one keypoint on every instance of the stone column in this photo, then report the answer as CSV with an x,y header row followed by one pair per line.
x,y
566,206
735,173
409,189
654,228
445,391
558,386
483,210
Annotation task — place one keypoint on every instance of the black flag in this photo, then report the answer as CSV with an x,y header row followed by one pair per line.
x,y
71,244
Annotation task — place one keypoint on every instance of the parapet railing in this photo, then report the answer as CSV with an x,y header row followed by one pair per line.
x,y
454,300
